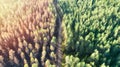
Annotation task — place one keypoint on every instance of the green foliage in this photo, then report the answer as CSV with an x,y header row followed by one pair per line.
x,y
92,31
71,61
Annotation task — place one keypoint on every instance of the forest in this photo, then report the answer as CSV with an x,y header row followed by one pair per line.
x,y
60,33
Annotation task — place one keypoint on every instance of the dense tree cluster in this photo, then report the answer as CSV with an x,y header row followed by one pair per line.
x,y
91,30
27,34
33,33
